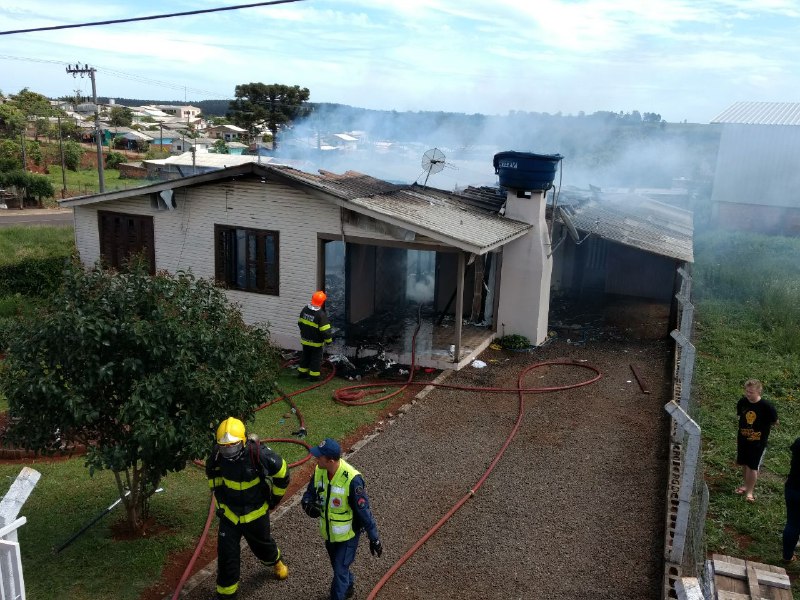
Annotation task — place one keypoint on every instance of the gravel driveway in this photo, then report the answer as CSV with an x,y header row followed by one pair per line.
x,y
575,508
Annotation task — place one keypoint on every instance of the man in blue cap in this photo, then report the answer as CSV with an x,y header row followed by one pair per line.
x,y
336,496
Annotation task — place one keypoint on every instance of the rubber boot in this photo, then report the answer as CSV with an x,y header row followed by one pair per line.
x,y
280,570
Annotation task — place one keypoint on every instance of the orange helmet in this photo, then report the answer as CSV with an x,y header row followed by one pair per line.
x,y
318,299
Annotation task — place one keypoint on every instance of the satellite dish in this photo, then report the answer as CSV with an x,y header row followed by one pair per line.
x,y
433,161
567,220
166,198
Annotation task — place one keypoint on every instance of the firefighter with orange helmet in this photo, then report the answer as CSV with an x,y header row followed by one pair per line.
x,y
315,332
248,480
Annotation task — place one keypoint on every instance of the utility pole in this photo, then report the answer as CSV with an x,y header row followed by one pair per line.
x,y
63,166
86,69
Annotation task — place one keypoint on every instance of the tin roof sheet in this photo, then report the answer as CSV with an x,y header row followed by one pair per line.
x,y
761,113
438,214
635,221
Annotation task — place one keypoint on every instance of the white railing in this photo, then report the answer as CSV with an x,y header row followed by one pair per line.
x,y
12,584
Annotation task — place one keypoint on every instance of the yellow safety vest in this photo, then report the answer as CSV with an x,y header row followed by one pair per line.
x,y
336,520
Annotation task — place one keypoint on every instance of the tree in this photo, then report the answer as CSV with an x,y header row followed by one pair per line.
x,y
139,369
220,147
120,116
39,187
28,185
73,152
12,120
10,155
31,103
258,104
114,160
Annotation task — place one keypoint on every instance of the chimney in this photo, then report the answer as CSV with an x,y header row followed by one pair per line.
x,y
524,302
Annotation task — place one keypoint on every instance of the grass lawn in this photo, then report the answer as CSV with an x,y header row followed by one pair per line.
x,y
743,332
66,498
86,181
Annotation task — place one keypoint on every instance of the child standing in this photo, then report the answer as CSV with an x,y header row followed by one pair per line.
x,y
756,418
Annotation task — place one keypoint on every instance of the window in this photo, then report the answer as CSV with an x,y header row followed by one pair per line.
x,y
122,236
247,259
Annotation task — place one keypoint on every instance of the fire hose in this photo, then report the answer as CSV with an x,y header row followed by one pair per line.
x,y
353,395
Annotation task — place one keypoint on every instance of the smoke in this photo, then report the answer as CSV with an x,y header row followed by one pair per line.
x,y
602,150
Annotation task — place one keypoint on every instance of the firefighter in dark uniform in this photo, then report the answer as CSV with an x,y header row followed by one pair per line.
x,y
336,496
315,332
248,480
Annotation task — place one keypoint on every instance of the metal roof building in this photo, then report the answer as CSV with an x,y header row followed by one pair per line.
x,y
757,173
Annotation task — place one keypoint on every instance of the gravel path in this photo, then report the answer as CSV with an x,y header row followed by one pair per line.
x,y
575,509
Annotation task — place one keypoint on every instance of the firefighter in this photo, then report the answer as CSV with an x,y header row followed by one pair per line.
x,y
248,480
335,495
315,332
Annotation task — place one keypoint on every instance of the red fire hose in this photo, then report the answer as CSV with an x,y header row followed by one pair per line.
x,y
349,397
521,412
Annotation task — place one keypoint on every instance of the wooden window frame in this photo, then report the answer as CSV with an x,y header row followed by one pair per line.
x,y
124,235
253,272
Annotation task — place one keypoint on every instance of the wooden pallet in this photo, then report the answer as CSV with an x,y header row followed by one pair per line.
x,y
737,579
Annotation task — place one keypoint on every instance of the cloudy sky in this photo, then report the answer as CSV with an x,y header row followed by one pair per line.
x,y
684,59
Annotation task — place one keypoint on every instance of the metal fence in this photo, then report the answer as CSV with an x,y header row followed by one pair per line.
x,y
12,584
687,493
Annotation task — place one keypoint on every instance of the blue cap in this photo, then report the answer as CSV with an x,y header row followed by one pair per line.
x,y
327,447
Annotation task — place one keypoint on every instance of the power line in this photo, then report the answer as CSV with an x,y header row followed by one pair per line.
x,y
149,18
128,76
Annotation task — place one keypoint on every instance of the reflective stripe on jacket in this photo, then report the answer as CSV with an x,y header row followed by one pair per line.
x,y
237,484
336,522
315,329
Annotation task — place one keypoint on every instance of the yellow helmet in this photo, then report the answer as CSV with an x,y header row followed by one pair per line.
x,y
230,431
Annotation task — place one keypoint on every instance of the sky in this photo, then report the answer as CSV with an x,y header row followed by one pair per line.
x,y
686,60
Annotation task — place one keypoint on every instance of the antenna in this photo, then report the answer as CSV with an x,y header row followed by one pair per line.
x,y
432,162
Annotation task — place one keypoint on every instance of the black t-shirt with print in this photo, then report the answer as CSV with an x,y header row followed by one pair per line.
x,y
755,420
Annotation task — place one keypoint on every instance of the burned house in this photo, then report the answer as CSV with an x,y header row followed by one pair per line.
x,y
409,270
619,248
401,261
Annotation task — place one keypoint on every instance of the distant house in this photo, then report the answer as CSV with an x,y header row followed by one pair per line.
x,y
134,140
341,141
236,147
182,112
757,178
229,133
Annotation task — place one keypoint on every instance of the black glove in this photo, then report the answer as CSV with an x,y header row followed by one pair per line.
x,y
220,512
376,548
311,509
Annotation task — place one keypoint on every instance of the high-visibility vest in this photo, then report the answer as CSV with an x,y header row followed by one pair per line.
x,y
336,520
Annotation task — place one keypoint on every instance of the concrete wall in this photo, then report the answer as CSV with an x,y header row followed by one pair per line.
x,y
524,301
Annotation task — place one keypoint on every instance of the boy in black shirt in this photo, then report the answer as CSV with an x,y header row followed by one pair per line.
x,y
756,418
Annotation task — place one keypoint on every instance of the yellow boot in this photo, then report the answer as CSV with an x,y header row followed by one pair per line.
x,y
280,570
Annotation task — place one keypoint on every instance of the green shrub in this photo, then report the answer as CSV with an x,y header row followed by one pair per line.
x,y
114,159
37,277
514,342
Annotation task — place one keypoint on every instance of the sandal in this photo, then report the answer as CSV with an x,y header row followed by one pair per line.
x,y
750,498
740,490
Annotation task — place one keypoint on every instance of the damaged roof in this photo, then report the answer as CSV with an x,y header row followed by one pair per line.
x,y
443,216
633,220
435,213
